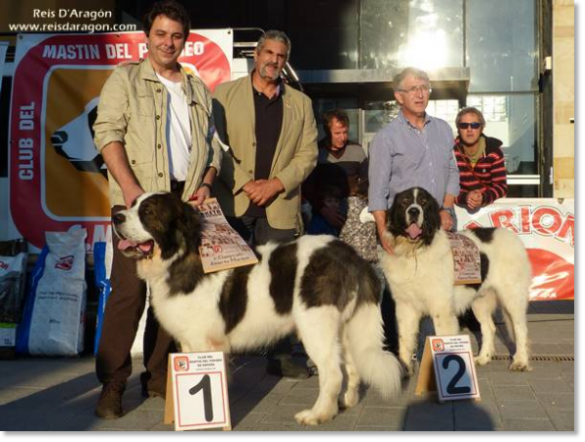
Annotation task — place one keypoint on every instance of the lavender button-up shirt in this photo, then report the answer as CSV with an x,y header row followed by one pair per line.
x,y
401,156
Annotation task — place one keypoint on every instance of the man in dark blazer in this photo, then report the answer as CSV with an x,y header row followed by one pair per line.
x,y
271,131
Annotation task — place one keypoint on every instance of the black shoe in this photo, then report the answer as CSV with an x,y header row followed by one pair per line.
x,y
285,367
152,389
109,405
153,392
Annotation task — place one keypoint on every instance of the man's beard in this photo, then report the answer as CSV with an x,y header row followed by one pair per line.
x,y
264,74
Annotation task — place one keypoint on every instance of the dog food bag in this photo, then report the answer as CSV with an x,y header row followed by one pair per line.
x,y
54,315
13,259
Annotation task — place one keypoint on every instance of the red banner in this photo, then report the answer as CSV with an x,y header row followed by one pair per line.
x,y
57,180
547,228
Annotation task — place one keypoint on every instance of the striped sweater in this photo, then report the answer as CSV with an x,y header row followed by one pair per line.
x,y
488,176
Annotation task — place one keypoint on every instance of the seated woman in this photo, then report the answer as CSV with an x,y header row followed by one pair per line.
x,y
480,160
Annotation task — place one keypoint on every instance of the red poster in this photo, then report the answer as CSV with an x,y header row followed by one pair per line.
x,y
547,229
57,180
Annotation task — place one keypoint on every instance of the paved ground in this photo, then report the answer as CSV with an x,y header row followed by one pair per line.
x,y
59,394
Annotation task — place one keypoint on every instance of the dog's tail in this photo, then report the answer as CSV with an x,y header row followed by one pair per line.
x,y
375,366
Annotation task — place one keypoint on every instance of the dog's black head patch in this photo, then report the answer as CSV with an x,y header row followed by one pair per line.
x,y
160,218
414,215
172,223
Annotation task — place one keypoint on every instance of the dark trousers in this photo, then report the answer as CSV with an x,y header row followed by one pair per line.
x,y
122,316
257,231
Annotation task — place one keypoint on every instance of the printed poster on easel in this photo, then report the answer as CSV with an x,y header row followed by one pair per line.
x,y
221,246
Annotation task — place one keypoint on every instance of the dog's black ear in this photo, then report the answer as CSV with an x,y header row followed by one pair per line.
x,y
432,219
393,222
389,215
396,222
167,243
189,226
162,224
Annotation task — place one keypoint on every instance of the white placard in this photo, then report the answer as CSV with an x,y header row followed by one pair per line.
x,y
454,367
199,398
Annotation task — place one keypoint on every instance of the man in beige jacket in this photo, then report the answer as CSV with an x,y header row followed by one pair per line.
x,y
271,131
153,129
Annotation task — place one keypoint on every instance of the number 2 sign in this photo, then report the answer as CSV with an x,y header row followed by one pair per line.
x,y
199,398
451,359
454,378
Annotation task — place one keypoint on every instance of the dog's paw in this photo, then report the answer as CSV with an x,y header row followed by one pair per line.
x,y
349,399
519,365
482,359
309,417
407,369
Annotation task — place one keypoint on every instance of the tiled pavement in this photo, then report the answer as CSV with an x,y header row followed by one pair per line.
x,y
59,394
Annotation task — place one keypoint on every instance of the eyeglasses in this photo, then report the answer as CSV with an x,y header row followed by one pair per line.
x,y
416,89
466,125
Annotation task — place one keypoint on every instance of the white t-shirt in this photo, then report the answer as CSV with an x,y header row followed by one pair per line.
x,y
178,130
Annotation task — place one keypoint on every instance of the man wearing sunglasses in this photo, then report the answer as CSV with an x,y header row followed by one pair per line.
x,y
415,149
480,161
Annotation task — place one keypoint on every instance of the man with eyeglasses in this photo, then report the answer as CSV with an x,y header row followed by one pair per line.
x,y
480,160
415,149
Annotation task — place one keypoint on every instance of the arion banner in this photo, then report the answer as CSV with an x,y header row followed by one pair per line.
x,y
57,180
547,229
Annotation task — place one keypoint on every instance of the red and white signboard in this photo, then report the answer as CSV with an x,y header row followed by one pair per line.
x,y
57,181
547,229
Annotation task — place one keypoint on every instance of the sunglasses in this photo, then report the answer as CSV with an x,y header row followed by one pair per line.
x,y
466,125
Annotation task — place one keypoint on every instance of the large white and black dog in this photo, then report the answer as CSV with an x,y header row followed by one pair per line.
x,y
317,286
421,277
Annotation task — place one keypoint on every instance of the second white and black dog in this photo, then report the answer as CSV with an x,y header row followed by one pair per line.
x,y
317,286
421,277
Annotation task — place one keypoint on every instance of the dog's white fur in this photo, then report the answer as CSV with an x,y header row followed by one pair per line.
x,y
352,337
421,279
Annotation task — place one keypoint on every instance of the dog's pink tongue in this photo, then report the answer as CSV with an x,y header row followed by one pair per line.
x,y
145,247
125,244
413,231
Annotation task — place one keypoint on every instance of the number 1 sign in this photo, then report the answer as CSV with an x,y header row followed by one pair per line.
x,y
451,358
199,398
